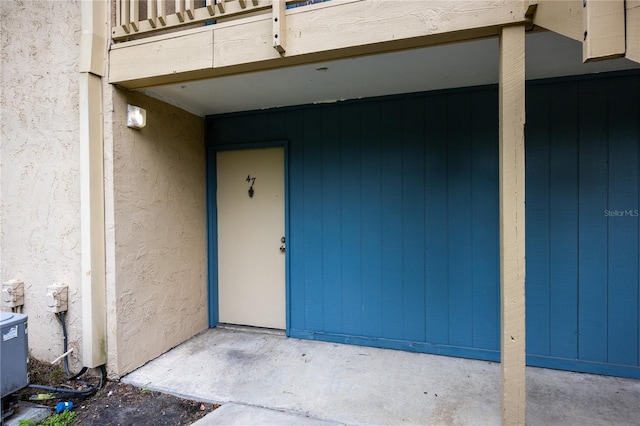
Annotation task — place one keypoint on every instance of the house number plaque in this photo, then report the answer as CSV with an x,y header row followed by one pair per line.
x,y
251,181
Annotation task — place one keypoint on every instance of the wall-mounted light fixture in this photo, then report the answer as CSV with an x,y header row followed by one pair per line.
x,y
136,117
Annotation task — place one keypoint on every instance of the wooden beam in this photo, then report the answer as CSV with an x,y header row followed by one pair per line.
x,y
279,26
603,29
170,55
349,28
562,17
512,224
633,30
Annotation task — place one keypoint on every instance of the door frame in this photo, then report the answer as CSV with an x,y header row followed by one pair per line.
x,y
212,223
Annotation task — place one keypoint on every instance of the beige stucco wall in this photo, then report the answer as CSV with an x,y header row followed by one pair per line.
x,y
154,196
39,162
157,294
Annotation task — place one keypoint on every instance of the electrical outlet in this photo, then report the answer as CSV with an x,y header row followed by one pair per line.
x,y
13,293
57,297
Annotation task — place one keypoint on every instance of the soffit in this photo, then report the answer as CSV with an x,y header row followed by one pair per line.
x,y
440,67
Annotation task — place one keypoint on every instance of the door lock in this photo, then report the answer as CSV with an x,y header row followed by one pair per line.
x,y
283,247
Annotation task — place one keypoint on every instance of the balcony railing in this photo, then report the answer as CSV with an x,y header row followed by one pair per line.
x,y
139,18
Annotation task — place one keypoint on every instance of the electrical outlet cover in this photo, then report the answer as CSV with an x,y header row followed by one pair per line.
x,y
57,298
13,293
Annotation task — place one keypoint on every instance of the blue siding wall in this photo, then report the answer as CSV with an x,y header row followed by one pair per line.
x,y
582,225
393,220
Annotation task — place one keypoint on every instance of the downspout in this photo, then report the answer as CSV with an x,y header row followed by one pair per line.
x,y
93,48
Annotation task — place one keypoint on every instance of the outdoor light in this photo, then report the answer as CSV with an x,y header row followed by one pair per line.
x,y
136,117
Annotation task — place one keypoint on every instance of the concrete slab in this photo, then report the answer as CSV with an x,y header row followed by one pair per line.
x,y
239,415
360,385
27,411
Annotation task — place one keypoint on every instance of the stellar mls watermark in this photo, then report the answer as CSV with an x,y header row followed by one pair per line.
x,y
622,213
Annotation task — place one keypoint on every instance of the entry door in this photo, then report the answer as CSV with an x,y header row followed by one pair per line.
x,y
251,258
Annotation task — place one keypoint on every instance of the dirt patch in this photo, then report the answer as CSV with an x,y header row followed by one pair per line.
x,y
121,404
116,403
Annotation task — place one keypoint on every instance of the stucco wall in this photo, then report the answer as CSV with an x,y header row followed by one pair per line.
x,y
159,231
39,162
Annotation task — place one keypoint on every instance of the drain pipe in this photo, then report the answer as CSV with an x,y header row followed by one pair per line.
x,y
93,50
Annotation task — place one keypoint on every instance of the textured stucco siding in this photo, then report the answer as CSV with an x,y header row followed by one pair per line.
x,y
39,163
154,196
159,230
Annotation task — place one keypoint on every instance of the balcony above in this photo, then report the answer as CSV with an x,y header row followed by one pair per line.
x,y
212,57
261,34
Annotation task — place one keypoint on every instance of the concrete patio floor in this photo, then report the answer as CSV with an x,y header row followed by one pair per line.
x,y
264,377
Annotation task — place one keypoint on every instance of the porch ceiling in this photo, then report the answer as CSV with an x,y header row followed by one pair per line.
x,y
441,67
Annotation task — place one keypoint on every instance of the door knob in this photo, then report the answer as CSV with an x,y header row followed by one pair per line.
x,y
283,248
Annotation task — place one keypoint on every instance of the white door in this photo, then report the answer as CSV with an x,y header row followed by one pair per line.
x,y
251,260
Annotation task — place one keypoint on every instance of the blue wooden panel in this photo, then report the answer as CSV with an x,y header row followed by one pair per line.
x,y
331,226
484,221
259,127
622,295
412,189
212,237
591,157
584,366
350,201
238,131
563,220
371,219
593,180
391,174
537,220
370,263
295,237
459,226
312,202
436,221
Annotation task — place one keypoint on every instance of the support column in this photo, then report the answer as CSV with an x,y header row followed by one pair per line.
x,y
632,16
512,224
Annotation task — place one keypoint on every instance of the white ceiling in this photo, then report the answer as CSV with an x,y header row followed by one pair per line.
x,y
455,65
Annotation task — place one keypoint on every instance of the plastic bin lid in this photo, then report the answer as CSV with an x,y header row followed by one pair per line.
x,y
6,316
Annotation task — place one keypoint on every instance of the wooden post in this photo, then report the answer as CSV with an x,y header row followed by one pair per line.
x,y
162,13
279,28
604,32
633,30
512,224
190,6
562,17
152,12
125,9
134,14
180,10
